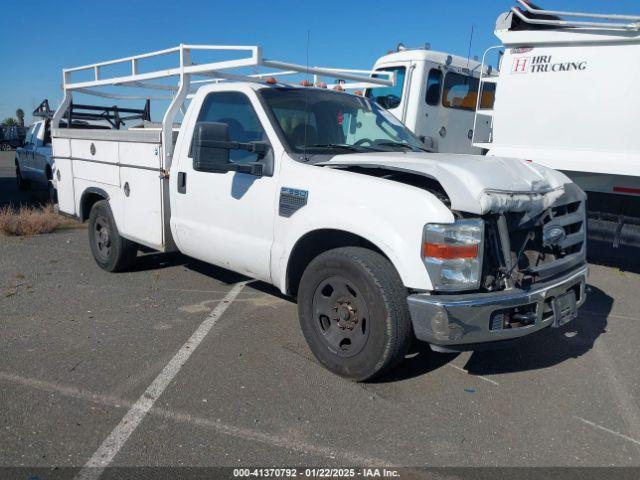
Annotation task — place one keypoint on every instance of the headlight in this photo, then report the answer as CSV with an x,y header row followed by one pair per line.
x,y
452,254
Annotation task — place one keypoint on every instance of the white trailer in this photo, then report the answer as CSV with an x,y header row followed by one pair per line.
x,y
568,98
331,199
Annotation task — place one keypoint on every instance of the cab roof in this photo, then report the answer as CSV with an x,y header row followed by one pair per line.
x,y
424,55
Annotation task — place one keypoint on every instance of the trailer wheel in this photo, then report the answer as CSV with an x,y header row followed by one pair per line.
x,y
110,251
353,312
20,181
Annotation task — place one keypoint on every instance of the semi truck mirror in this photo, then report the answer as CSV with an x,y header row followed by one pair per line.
x,y
211,147
389,101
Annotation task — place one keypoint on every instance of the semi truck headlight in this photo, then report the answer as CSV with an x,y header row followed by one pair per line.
x,y
452,254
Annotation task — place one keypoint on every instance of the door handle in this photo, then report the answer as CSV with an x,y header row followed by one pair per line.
x,y
182,182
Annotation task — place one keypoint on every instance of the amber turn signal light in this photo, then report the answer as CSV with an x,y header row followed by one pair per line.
x,y
449,252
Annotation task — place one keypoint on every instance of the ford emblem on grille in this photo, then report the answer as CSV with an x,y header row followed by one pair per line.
x,y
553,236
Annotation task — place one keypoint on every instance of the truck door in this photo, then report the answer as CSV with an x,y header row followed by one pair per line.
x,y
39,161
450,100
27,157
396,98
225,218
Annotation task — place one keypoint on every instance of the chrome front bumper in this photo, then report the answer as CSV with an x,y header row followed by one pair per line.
x,y
463,322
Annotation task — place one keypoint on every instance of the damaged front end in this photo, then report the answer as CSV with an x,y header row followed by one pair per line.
x,y
533,276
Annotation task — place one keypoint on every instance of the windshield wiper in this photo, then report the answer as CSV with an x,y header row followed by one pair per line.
x,y
352,148
403,145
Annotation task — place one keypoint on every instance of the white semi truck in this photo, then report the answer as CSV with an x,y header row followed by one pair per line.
x,y
567,98
435,96
331,199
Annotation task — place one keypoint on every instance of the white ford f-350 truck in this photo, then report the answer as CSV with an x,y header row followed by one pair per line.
x,y
331,199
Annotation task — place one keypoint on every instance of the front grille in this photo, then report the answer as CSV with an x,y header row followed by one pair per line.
x,y
517,251
542,258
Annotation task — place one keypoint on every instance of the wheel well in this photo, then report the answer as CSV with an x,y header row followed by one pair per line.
x,y
89,198
313,244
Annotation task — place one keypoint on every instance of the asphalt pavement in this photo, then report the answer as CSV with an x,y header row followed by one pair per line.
x,y
179,363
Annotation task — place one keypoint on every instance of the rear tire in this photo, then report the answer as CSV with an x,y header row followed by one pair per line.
x,y
20,181
353,311
111,252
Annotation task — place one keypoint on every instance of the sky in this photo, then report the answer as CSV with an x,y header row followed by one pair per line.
x,y
40,37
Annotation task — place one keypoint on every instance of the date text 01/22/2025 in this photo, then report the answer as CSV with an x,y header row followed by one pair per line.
x,y
316,472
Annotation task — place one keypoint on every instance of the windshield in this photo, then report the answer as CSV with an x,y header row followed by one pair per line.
x,y
321,121
388,97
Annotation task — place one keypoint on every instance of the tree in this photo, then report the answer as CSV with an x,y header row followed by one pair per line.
x,y
9,122
20,116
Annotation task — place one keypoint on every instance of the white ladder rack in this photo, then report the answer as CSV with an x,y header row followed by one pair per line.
x,y
185,85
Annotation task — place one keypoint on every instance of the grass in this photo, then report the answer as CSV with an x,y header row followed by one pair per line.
x,y
28,220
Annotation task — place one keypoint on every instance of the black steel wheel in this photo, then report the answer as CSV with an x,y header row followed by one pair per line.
x,y
110,251
353,312
101,238
341,315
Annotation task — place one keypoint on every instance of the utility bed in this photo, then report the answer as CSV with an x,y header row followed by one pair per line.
x,y
128,167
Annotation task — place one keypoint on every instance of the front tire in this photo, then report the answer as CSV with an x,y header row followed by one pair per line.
x,y
353,312
111,252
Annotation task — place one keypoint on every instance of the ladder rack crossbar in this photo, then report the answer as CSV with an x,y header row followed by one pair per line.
x,y
612,16
635,25
211,69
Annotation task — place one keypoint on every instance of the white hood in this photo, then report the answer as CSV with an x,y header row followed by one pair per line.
x,y
474,183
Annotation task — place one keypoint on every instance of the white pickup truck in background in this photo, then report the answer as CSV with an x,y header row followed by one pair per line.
x,y
34,159
331,199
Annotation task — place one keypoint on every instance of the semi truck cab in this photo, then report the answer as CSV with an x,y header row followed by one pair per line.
x,y
435,96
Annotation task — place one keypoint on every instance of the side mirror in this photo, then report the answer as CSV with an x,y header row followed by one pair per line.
x,y
389,101
210,153
211,147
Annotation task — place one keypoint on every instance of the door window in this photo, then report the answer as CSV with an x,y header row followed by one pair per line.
x,y
36,132
234,109
434,87
29,137
388,97
488,96
460,91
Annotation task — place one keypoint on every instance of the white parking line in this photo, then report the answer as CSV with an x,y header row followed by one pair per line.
x,y
295,443
460,369
605,429
117,438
